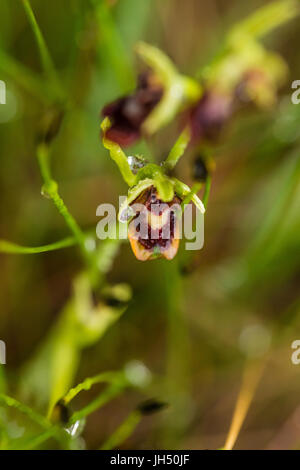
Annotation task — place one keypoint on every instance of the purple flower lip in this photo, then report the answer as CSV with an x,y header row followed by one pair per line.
x,y
128,113
155,243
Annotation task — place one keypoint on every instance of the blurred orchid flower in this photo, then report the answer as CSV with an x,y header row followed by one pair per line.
x,y
160,94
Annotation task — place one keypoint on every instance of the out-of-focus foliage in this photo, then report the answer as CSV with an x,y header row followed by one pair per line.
x,y
187,332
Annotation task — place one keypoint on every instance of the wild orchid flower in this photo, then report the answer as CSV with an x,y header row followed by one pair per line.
x,y
155,194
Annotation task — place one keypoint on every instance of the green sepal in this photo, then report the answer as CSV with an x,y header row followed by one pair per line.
x,y
179,90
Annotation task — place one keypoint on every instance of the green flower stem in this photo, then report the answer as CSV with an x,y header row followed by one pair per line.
x,y
117,155
37,418
105,377
13,248
111,392
44,53
81,324
24,409
178,359
50,189
178,149
123,431
63,355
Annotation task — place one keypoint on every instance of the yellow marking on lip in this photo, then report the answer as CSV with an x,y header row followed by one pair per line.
x,y
158,221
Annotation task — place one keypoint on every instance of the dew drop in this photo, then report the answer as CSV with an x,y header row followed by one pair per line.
x,y
136,163
126,214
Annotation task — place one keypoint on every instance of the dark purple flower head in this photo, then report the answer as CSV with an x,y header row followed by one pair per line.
x,y
209,115
128,113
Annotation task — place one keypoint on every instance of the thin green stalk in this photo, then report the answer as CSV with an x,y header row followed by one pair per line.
x,y
123,431
109,394
37,418
70,221
178,371
80,325
64,356
178,149
24,409
44,53
13,248
50,189
109,377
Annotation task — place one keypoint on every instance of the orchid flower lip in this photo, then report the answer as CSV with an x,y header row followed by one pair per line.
x,y
153,231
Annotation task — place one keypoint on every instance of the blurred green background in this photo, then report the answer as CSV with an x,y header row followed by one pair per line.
x,y
196,322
